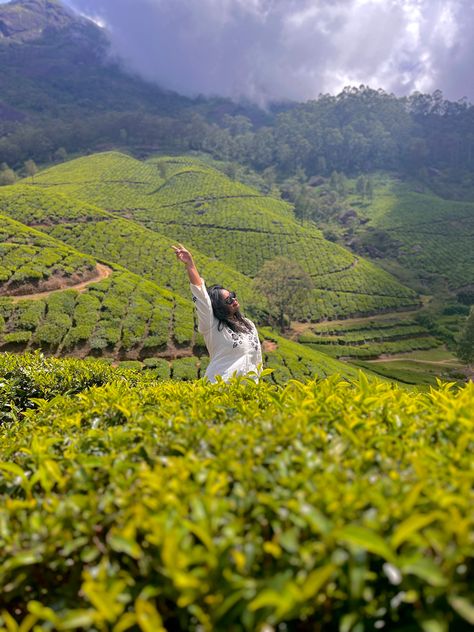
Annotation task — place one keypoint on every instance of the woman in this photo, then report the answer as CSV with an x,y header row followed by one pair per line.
x,y
231,339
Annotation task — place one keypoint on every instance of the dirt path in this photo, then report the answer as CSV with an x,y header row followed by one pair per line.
x,y
102,273
419,361
299,328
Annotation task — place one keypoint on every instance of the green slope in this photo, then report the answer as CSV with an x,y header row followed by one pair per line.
x,y
435,236
188,201
30,259
123,316
101,234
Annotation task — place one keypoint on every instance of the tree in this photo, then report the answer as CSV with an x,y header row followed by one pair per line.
x,y
7,175
286,286
60,154
30,168
369,189
361,186
466,342
321,164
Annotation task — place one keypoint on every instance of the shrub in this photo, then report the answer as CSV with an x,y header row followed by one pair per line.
x,y
241,506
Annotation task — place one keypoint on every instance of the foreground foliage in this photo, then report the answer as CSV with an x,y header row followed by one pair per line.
x,y
325,505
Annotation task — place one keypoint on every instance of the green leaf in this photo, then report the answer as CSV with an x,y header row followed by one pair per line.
x,y
463,607
13,469
73,619
268,598
316,580
12,625
42,612
433,625
424,568
26,558
124,545
365,539
28,622
412,525
126,621
348,621
148,617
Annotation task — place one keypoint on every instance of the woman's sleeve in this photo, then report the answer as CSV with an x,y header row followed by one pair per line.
x,y
203,307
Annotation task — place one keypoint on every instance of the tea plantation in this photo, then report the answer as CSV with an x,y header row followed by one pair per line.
x,y
130,503
434,235
28,257
368,338
183,199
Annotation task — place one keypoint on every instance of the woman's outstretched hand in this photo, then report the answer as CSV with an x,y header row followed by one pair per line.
x,y
183,254
186,257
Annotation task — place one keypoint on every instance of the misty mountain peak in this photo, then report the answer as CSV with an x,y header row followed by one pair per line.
x,y
27,20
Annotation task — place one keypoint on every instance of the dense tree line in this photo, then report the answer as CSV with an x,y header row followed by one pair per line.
x,y
357,131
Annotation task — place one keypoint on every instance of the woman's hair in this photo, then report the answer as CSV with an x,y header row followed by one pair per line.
x,y
238,324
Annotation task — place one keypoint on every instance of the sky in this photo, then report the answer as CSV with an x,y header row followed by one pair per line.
x,y
270,50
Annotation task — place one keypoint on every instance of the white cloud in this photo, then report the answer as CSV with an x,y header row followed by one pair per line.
x,y
296,49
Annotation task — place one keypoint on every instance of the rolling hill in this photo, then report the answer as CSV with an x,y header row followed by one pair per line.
x,y
432,237
191,202
46,304
113,211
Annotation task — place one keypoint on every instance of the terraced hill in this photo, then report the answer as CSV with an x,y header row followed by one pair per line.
x,y
435,236
368,338
125,214
31,260
188,201
122,316
102,234
127,318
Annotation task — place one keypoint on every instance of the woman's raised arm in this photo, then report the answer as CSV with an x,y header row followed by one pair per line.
x,y
186,257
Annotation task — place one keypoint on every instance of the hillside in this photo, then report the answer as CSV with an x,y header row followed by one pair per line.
x,y
52,299
62,61
227,221
125,214
31,261
137,504
430,236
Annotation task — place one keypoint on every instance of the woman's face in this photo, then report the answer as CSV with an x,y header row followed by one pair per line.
x,y
230,301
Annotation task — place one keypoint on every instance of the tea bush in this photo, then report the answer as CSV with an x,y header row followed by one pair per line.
x,y
434,233
141,206
28,256
323,505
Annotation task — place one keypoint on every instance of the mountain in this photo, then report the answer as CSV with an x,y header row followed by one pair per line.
x,y
61,87
55,63
26,20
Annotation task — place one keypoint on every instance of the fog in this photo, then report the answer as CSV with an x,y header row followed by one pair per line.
x,y
267,50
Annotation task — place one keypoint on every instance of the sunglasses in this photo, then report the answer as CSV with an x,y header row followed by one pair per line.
x,y
230,299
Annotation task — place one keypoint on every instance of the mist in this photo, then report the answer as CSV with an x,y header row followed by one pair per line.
x,y
265,50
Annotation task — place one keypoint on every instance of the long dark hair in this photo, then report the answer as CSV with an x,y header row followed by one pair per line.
x,y
238,324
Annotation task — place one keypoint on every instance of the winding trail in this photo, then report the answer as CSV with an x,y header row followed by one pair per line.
x,y
103,272
394,358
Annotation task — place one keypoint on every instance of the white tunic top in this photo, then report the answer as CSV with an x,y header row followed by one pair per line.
x,y
230,353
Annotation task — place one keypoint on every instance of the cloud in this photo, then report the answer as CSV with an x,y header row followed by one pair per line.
x,y
293,49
